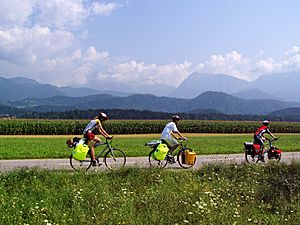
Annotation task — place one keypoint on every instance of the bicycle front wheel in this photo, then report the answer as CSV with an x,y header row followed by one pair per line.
x,y
181,158
154,162
80,165
115,159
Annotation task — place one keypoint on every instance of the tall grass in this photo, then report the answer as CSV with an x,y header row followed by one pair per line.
x,y
215,194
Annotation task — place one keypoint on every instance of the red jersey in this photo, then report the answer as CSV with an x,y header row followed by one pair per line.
x,y
262,130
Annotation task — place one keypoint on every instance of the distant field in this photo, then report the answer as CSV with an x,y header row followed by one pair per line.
x,y
29,147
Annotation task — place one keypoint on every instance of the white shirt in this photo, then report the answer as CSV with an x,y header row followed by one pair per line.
x,y
92,125
166,134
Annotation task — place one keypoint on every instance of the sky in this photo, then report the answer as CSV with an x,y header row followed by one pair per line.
x,y
86,42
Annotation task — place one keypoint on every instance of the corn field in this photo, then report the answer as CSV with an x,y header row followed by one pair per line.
x,y
67,127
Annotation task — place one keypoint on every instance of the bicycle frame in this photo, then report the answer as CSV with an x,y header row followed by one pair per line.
x,y
108,146
181,145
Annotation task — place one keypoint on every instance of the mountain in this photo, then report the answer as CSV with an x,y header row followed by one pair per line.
x,y
132,87
280,86
284,85
19,88
207,101
292,114
198,83
254,93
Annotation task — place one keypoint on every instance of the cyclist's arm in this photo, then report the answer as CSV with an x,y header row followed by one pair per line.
x,y
272,135
179,134
103,132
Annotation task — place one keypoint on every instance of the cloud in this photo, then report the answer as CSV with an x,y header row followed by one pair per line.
x,y
103,9
23,45
75,68
292,51
42,37
15,12
232,63
139,72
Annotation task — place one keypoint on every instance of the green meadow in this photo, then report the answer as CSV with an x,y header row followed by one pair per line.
x,y
30,147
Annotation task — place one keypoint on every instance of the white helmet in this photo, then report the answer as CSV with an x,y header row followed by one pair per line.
x,y
265,122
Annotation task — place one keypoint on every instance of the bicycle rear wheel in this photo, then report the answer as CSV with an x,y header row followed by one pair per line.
x,y
181,158
250,158
115,159
154,162
80,165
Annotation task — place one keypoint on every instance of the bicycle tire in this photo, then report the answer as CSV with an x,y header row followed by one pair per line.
x,y
250,159
80,165
114,159
179,158
156,163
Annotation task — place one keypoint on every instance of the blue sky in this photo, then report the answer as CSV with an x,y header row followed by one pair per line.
x,y
84,42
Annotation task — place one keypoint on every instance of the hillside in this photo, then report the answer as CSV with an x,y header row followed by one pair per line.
x,y
212,101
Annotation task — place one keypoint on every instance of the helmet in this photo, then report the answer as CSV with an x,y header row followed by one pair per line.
x,y
176,117
103,116
265,122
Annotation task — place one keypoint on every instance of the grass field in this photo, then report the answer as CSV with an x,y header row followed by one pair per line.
x,y
216,194
28,147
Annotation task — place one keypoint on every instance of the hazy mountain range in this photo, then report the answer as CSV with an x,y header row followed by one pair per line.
x,y
282,86
198,93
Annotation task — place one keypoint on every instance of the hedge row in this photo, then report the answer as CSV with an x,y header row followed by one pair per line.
x,y
67,127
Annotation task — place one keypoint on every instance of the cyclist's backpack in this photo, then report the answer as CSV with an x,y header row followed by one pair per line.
x,y
161,151
80,151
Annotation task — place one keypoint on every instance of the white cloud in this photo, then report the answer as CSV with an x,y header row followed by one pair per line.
x,y
43,37
131,72
103,9
91,55
292,51
22,44
75,68
268,65
232,63
15,12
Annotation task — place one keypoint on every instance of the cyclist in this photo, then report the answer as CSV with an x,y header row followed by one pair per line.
x,y
259,137
170,132
95,125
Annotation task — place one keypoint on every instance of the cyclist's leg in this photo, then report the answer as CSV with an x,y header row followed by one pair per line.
x,y
172,144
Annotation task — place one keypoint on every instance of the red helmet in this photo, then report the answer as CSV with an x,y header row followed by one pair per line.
x,y
103,116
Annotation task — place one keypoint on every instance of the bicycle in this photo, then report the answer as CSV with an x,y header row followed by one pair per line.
x,y
179,155
252,151
113,158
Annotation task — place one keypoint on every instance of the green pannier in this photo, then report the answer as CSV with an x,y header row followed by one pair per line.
x,y
80,151
161,151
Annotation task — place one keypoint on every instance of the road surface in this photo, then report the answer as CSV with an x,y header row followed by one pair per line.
x,y
63,164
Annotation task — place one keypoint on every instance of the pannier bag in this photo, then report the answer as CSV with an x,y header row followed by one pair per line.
x,y
161,151
80,151
189,157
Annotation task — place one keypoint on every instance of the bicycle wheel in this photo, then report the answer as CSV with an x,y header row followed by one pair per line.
x,y
251,158
156,163
115,159
181,156
80,165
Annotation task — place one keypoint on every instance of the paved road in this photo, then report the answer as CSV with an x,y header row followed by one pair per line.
x,y
58,164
